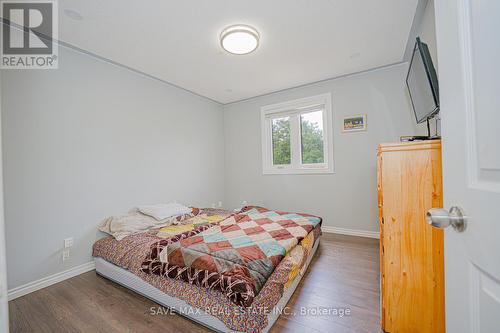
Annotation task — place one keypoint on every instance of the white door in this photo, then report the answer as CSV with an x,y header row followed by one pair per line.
x,y
468,39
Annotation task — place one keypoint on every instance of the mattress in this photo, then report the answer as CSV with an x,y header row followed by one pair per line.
x,y
137,284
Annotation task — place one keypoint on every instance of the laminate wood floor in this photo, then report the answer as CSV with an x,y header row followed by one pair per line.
x,y
344,275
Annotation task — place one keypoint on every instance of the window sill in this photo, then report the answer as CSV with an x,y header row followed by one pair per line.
x,y
310,171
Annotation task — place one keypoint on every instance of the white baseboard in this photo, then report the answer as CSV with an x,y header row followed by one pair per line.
x,y
49,280
350,232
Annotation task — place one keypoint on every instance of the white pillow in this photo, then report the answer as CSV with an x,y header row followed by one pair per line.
x,y
163,211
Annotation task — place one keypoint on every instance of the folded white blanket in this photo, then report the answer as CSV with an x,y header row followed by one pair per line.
x,y
121,226
163,211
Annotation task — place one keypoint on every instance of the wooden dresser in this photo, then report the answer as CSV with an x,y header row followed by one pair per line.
x,y
411,251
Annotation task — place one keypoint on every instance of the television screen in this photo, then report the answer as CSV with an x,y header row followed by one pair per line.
x,y
422,83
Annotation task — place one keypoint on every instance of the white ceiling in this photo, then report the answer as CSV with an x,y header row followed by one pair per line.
x,y
302,41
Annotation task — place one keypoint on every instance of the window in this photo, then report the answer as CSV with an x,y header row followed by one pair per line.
x,y
282,154
297,136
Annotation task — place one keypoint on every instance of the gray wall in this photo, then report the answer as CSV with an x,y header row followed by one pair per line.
x,y
4,308
347,198
90,140
427,31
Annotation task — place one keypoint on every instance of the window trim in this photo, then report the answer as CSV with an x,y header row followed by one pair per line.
x,y
297,107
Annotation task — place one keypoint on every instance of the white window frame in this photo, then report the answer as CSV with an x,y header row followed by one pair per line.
x,y
294,109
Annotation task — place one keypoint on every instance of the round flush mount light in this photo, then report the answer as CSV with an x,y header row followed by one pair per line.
x,y
239,39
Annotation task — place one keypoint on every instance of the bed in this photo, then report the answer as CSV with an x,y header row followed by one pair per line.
x,y
132,260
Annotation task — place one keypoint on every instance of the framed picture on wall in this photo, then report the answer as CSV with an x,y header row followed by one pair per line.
x,y
354,123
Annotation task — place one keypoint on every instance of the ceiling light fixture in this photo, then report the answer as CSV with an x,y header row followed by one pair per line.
x,y
239,39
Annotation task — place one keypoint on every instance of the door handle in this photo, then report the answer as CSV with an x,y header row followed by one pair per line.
x,y
441,218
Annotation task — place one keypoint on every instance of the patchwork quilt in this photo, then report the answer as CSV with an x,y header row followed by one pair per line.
x,y
235,256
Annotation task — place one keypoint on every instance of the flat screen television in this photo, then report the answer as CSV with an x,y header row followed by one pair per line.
x,y
422,83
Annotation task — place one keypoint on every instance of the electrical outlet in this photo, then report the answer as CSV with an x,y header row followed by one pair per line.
x,y
68,242
65,255
220,203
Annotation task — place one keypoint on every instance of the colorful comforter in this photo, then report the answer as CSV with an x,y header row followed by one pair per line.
x,y
236,256
130,252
